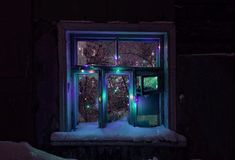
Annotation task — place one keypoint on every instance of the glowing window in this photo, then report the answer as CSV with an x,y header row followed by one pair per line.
x,y
96,52
150,83
139,53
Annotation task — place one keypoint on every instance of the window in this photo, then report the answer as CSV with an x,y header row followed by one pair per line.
x,y
107,75
118,51
139,53
98,52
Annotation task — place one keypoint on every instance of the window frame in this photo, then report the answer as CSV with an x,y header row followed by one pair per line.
x,y
67,28
116,38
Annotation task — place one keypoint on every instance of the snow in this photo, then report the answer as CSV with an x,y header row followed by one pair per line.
x,y
23,151
119,131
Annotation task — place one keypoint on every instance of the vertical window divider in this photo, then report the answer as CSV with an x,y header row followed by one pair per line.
x,y
116,52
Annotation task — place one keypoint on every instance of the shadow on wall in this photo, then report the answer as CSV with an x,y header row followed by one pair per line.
x,y
46,80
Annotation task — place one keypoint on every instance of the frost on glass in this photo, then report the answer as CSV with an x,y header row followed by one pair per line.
x,y
96,52
150,83
88,98
138,53
118,97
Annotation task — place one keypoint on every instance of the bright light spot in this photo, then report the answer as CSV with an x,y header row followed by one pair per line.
x,y
131,97
153,53
91,71
116,90
82,71
79,48
118,70
87,106
99,99
103,95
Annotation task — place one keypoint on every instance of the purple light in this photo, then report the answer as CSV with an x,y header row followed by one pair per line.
x,y
136,99
115,57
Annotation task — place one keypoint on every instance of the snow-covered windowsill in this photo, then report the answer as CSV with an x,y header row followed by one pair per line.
x,y
119,132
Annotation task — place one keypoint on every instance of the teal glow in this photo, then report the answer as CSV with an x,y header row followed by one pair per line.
x,y
103,95
150,83
118,71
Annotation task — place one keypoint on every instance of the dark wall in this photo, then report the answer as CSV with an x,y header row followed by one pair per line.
x,y
205,79
104,10
205,26
205,114
16,87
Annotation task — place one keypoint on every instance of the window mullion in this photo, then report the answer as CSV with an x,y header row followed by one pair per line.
x,y
116,52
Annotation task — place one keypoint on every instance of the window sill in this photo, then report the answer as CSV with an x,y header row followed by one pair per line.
x,y
118,133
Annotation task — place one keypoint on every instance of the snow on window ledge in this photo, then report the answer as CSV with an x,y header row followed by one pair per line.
x,y
119,132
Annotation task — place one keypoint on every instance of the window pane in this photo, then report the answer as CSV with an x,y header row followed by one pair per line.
x,y
138,53
150,83
95,52
88,98
138,84
118,97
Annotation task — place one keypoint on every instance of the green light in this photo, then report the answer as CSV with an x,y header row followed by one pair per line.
x,y
103,95
118,70
87,106
150,83
82,71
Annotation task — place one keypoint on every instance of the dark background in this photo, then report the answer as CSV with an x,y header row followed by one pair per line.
x,y
205,40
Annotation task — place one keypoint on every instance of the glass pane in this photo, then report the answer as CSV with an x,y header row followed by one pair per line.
x,y
138,84
88,98
118,97
96,52
150,83
138,53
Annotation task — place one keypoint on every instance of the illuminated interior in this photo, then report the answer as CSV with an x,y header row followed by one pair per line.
x,y
88,97
117,83
113,76
118,97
